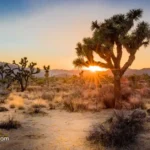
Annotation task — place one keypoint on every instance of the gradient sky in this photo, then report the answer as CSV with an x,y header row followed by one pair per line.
x,y
46,31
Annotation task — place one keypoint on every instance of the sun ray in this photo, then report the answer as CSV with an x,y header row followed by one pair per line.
x,y
94,68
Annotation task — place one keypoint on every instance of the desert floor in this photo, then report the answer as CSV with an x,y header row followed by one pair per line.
x,y
57,130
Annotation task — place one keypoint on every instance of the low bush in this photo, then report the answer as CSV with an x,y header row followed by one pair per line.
x,y
39,103
36,111
51,106
12,106
126,93
106,96
74,105
2,109
145,92
10,124
120,131
48,96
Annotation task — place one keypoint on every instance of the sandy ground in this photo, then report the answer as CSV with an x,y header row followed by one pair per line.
x,y
58,130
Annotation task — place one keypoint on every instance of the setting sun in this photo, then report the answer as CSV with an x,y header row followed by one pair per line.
x,y
94,68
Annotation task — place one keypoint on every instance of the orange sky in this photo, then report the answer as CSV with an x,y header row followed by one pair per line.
x,y
48,33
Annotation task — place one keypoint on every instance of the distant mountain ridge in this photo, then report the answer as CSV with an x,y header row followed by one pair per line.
x,y
138,71
64,73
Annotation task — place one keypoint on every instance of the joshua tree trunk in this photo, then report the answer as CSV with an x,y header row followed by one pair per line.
x,y
117,92
22,87
117,89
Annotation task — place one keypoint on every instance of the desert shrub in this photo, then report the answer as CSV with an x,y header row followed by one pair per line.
x,y
3,95
76,93
145,92
106,96
21,107
90,93
119,131
51,106
34,88
39,104
48,96
136,101
106,79
2,109
36,111
126,92
4,92
40,81
108,100
10,124
2,100
74,105
12,106
16,102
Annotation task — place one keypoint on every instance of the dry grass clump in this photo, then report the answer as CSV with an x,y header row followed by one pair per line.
x,y
2,100
12,106
89,93
3,109
136,101
21,107
48,96
32,95
106,96
51,106
10,124
39,103
36,111
4,92
126,92
145,92
16,101
74,105
34,88
3,95
119,131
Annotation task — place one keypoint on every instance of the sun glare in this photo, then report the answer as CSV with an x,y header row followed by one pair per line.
x,y
94,68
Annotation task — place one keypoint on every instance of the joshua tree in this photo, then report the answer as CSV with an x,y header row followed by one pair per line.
x,y
46,69
109,40
22,72
5,77
2,71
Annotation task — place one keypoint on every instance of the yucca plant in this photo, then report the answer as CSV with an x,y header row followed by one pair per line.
x,y
117,33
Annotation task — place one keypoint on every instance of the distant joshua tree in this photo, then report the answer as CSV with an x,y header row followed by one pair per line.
x,y
47,69
22,72
109,40
5,77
